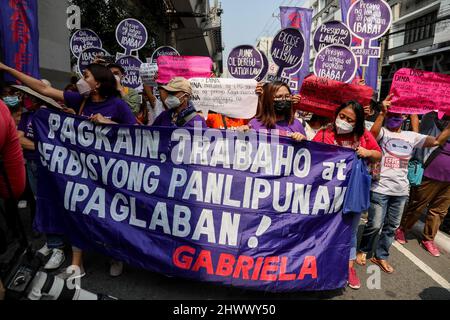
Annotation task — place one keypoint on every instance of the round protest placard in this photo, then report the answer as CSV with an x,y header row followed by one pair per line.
x,y
245,62
83,39
265,68
132,66
148,72
331,32
287,49
131,35
369,19
336,62
163,51
87,56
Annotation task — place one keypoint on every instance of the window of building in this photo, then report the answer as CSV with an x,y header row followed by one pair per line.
x,y
421,28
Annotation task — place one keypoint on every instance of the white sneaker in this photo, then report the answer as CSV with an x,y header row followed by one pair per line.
x,y
116,268
56,260
72,272
22,204
45,251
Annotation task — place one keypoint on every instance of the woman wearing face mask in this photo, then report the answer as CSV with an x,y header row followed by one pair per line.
x,y
275,112
390,193
14,104
97,99
180,111
349,131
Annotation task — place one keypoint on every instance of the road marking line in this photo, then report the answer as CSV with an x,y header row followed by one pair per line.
x,y
425,268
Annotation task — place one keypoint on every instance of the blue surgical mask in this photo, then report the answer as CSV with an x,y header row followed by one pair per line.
x,y
11,101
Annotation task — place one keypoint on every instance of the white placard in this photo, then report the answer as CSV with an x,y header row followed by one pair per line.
x,y
234,98
148,72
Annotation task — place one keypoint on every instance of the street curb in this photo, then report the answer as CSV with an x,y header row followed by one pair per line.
x,y
441,240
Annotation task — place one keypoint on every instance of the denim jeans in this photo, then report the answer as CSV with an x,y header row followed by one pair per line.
x,y
354,239
385,214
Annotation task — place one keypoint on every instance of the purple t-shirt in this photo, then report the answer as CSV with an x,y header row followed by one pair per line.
x,y
165,120
26,126
439,168
283,127
112,108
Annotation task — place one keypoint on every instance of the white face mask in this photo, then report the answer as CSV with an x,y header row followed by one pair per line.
x,y
118,79
172,102
343,127
84,88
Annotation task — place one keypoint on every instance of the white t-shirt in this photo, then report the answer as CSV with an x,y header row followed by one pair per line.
x,y
397,148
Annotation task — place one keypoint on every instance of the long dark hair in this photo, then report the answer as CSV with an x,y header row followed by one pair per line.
x,y
359,129
266,112
108,85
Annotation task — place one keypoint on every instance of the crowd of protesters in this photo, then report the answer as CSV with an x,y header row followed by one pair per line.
x,y
389,142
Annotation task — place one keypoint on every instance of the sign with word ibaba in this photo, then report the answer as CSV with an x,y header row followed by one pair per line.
x,y
131,35
87,56
287,51
234,98
336,62
83,39
368,20
183,66
148,73
331,32
242,209
419,92
323,96
132,66
245,62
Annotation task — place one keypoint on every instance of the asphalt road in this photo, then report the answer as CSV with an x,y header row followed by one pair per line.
x,y
408,282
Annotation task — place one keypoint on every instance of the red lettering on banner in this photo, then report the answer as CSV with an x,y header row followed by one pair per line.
x,y
268,267
271,268
283,275
244,264
309,267
204,261
225,265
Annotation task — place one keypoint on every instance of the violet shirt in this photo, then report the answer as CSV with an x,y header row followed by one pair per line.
x,y
26,126
283,127
439,168
112,108
165,120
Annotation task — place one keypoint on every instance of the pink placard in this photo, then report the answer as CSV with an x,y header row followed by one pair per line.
x,y
183,66
420,92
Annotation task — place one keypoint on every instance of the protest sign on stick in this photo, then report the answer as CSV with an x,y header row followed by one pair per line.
x,y
323,96
132,67
87,56
419,92
83,39
368,20
336,62
131,35
162,51
234,98
262,75
287,51
183,66
331,32
245,62
148,73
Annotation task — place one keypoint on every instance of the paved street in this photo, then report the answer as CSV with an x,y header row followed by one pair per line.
x,y
424,278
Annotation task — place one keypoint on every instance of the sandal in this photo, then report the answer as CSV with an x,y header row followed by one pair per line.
x,y
361,258
383,264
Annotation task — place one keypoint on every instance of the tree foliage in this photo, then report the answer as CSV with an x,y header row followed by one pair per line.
x,y
103,16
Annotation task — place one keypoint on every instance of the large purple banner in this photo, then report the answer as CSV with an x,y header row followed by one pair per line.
x,y
247,209
299,18
371,72
19,36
